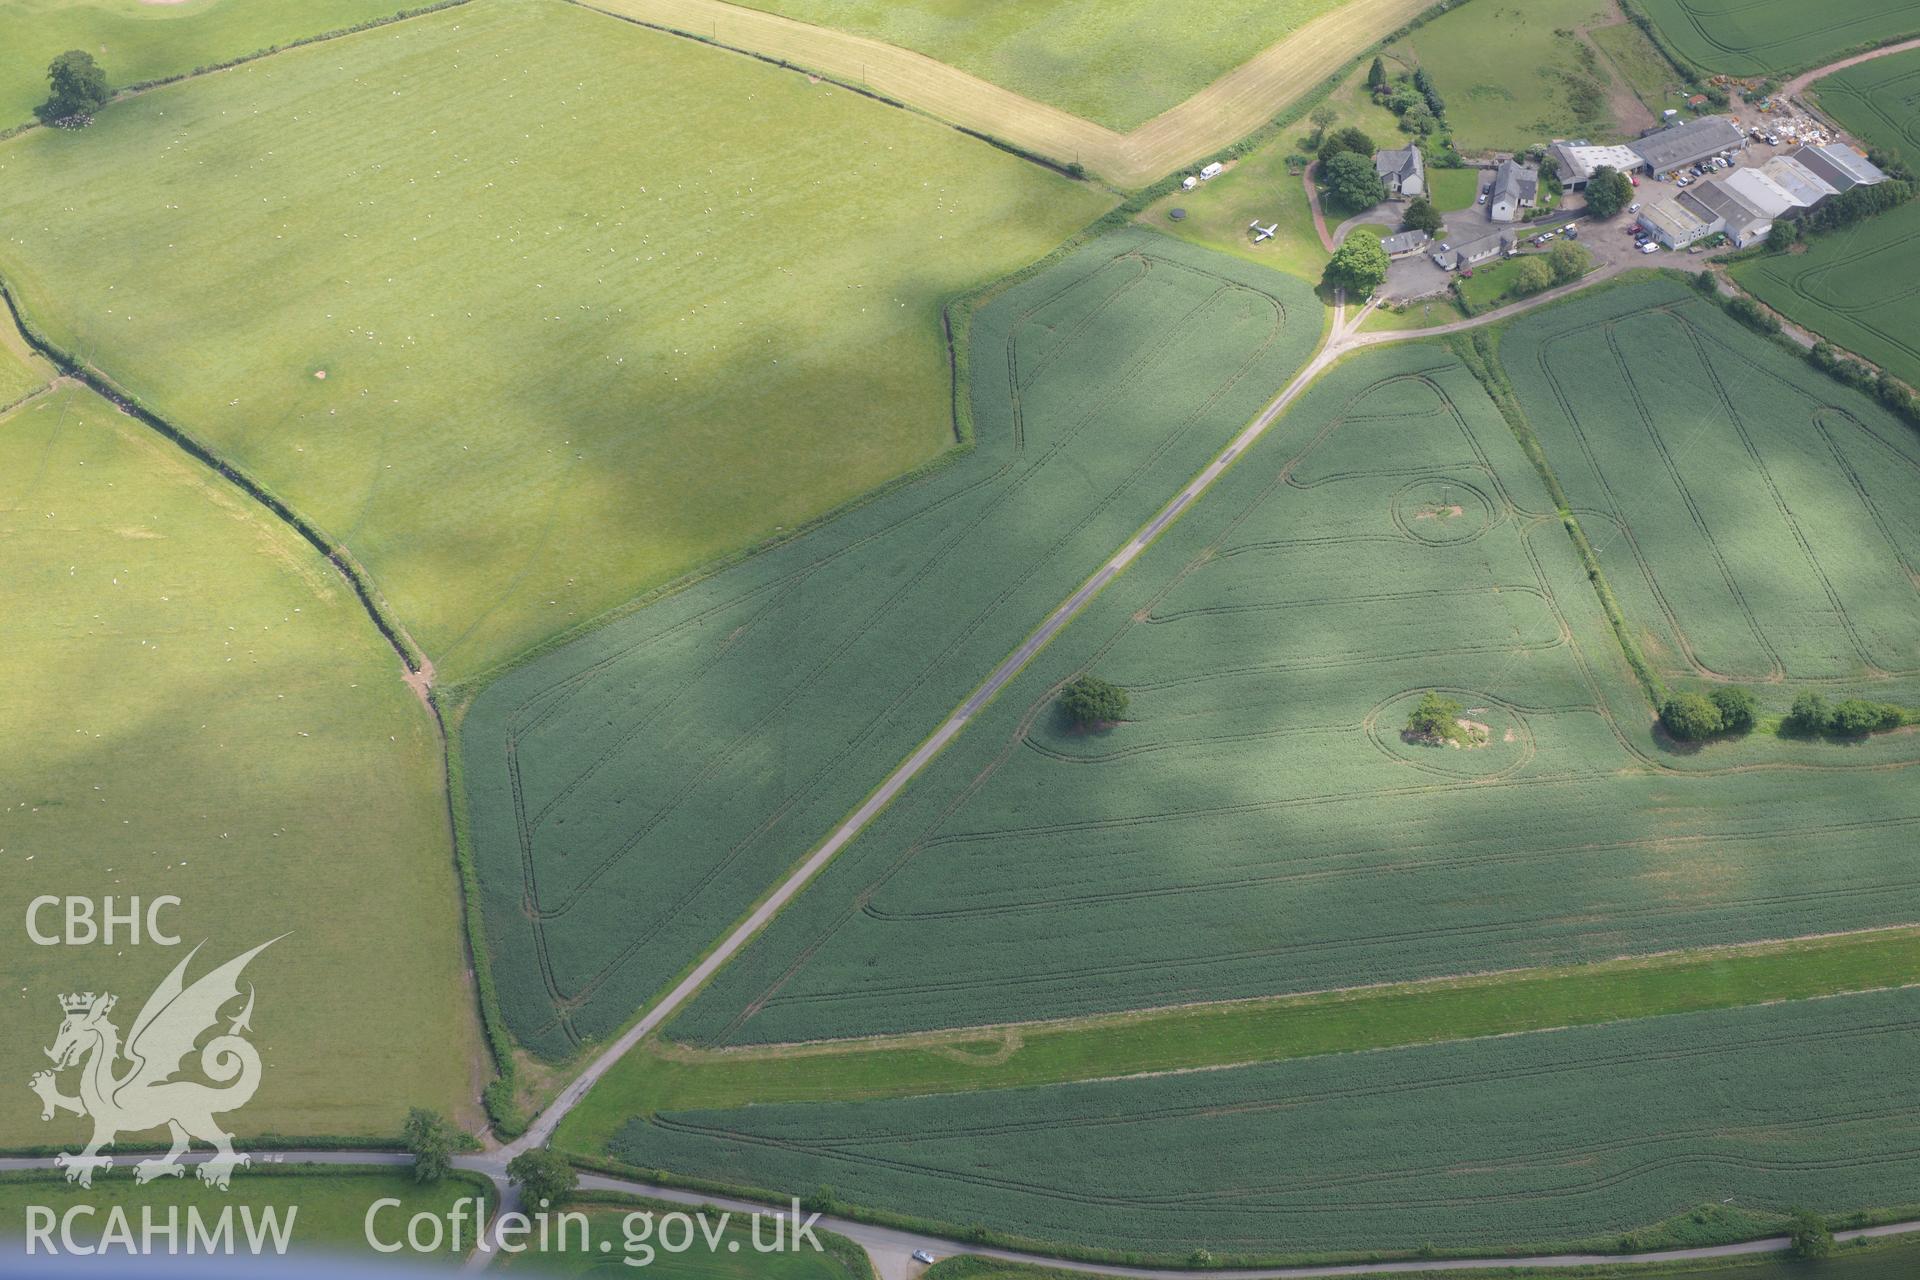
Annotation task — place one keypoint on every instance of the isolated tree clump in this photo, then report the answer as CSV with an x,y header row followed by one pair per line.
x,y
432,1141
77,86
1690,717
1351,182
1811,1236
1530,276
1359,265
1568,261
1436,718
1091,702
1737,706
1608,192
1420,215
542,1174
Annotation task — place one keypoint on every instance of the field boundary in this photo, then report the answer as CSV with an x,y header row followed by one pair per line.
x,y
1213,119
227,64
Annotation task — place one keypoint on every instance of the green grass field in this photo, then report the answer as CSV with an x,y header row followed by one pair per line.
x,y
1451,189
1757,520
1856,287
1642,66
136,40
662,1077
328,1209
594,305
1573,1137
1115,62
1490,284
1261,186
657,775
632,1227
1520,96
197,705
1775,37
1258,826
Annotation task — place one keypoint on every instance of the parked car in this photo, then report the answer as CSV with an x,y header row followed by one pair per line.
x,y
1648,246
1634,207
923,1257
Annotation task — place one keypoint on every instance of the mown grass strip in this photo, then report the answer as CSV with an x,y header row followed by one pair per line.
x,y
662,1076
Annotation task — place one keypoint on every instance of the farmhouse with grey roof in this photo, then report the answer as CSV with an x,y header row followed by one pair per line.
x,y
1515,187
1402,243
1402,171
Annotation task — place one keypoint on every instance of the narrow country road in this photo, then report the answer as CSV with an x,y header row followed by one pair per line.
x,y
892,1250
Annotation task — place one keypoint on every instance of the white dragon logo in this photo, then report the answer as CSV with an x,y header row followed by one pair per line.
x,y
145,1096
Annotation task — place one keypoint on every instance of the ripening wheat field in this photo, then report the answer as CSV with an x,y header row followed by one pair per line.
x,y
1548,1138
633,792
1257,825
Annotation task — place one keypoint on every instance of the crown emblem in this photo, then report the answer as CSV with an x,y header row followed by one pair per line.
x,y
80,1002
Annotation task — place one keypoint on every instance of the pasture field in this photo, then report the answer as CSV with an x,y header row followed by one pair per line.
x,y
594,305
1776,37
632,793
22,372
1219,114
730,1256
196,705
1521,96
1641,65
1758,521
332,1204
664,1077
1258,826
136,40
1553,1138
1118,63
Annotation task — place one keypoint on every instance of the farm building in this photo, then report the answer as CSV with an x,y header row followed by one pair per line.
x,y
1680,145
1761,193
1576,162
1722,208
1840,165
1402,172
1673,224
1805,186
1515,187
1402,243
1451,257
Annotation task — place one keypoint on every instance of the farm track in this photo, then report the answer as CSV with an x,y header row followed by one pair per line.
x,y
1218,115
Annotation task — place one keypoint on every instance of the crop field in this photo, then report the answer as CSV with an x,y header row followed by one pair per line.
x,y
138,40
1115,62
1775,37
1559,1136
196,705
1259,826
530,308
1758,521
632,793
332,1205
1877,101
1521,96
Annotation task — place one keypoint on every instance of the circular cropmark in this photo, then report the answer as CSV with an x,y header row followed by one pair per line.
x,y
1441,510
1495,739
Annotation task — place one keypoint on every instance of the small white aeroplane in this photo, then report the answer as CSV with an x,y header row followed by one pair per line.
x,y
1261,233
